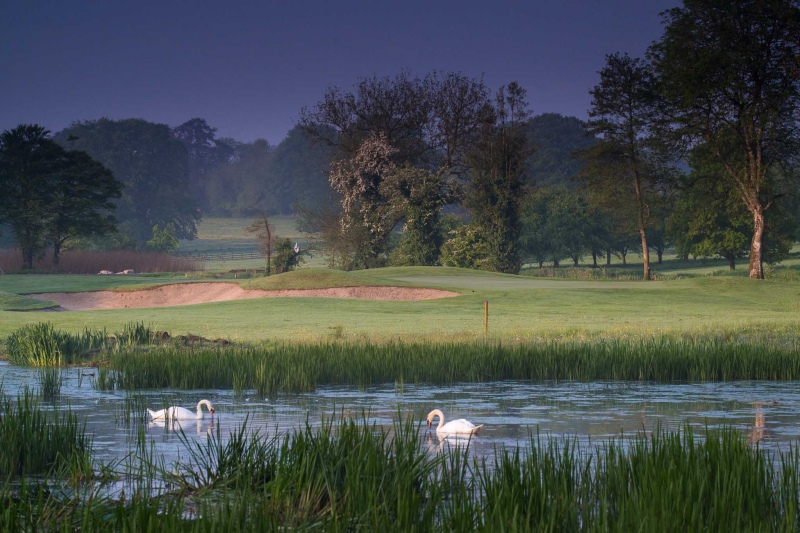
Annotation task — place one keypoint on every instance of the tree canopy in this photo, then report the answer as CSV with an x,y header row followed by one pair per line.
x,y
151,163
49,195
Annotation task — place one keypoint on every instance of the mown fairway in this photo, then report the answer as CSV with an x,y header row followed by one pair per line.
x,y
519,307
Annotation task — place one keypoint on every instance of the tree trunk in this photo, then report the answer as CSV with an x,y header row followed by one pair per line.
x,y
624,254
608,258
732,263
56,254
575,262
642,232
756,250
594,258
555,263
660,253
27,258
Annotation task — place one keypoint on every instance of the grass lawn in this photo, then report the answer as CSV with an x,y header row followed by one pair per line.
x,y
519,307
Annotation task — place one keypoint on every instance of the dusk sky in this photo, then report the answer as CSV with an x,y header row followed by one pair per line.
x,y
249,66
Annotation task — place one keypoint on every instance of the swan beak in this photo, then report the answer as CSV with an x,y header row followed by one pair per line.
x,y
212,412
429,424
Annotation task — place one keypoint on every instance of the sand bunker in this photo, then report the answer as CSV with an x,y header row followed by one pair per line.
x,y
200,293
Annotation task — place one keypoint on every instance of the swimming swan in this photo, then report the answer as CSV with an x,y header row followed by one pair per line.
x,y
454,427
179,413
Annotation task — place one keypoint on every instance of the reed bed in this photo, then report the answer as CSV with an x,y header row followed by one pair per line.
x,y
350,476
50,381
42,345
292,367
34,441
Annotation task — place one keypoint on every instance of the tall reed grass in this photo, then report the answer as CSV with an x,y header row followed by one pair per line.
x,y
33,440
42,345
350,476
285,367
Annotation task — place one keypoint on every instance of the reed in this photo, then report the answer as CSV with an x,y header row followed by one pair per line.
x,y
34,441
42,345
284,367
351,476
49,380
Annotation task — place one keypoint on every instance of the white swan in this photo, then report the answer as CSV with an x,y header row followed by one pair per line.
x,y
179,413
454,427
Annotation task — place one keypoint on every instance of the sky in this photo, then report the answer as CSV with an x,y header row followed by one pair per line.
x,y
248,67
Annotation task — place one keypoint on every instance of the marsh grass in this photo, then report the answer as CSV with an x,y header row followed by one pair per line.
x,y
42,345
348,475
284,367
33,441
49,380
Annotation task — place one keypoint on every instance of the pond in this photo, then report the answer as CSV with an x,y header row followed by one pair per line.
x,y
765,412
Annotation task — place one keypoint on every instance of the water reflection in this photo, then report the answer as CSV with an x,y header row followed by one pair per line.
x,y
185,426
513,412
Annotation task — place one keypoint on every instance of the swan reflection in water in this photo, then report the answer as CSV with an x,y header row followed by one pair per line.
x,y
759,426
440,443
181,425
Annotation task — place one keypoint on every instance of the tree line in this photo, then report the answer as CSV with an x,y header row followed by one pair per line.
x,y
693,146
696,143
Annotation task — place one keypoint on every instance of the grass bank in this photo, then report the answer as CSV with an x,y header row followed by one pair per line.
x,y
520,308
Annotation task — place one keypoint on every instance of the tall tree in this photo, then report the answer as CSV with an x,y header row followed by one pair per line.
x,y
728,71
556,139
153,166
206,153
497,176
83,201
622,113
428,123
49,195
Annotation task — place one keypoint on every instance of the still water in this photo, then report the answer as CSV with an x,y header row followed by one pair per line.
x,y
764,412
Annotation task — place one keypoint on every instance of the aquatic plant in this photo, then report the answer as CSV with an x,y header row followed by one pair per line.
x,y
42,345
350,475
34,441
295,367
50,381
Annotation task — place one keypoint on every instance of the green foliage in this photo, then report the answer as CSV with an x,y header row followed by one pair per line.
x,y
42,345
496,185
285,258
50,380
49,195
556,224
466,247
34,441
164,240
295,367
556,139
348,475
153,166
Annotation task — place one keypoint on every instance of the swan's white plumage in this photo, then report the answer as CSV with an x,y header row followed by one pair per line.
x,y
454,427
180,413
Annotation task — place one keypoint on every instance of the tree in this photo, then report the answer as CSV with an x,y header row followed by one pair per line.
x,y
497,176
206,153
556,139
427,123
287,257
153,166
243,186
556,223
728,72
49,195
164,240
83,203
264,234
622,112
